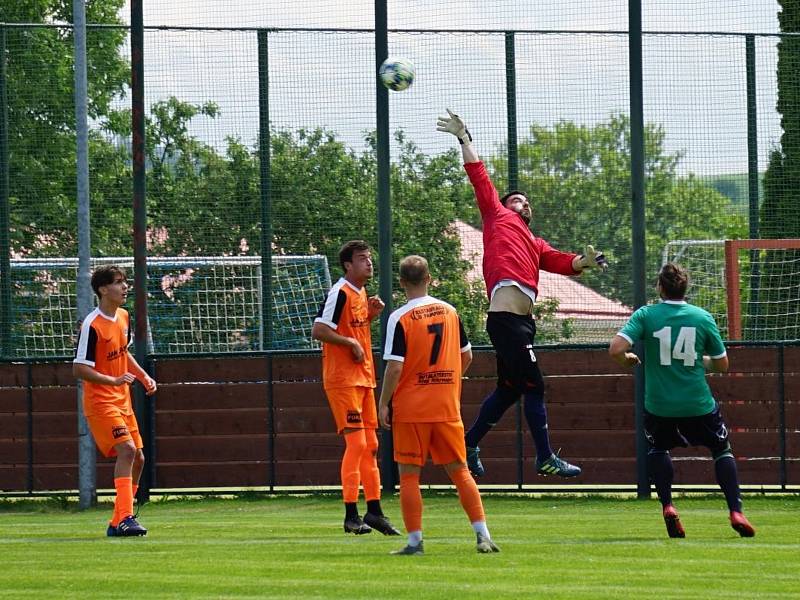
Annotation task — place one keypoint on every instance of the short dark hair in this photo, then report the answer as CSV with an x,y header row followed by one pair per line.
x,y
349,248
512,193
106,275
414,269
674,280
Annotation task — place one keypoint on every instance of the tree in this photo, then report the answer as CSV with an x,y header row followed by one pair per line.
x,y
780,215
41,114
578,181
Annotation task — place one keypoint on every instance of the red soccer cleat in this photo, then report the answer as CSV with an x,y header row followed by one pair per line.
x,y
673,522
740,523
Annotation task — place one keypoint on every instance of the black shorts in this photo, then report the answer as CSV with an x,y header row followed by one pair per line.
x,y
665,433
512,336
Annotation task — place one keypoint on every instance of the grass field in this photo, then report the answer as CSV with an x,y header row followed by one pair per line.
x,y
294,547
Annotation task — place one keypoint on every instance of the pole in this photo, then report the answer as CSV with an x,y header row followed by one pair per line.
x,y
752,179
388,470
6,345
142,404
638,224
87,467
266,189
511,111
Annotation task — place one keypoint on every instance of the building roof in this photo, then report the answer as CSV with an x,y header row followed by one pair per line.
x,y
575,300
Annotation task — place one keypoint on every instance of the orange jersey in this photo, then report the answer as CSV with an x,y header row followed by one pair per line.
x,y
427,336
103,345
345,310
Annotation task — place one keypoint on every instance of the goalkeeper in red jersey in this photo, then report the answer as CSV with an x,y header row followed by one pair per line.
x,y
512,259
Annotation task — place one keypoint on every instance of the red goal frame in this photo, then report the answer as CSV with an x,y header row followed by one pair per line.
x,y
732,248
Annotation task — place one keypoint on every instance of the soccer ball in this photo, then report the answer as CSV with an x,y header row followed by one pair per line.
x,y
397,73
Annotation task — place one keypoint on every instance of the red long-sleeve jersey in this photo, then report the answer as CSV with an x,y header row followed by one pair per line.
x,y
510,250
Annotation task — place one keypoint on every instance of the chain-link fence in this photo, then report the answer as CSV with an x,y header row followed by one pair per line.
x,y
712,132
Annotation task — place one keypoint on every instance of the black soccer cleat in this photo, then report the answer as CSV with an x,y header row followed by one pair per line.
x,y
130,527
474,461
380,523
357,526
409,550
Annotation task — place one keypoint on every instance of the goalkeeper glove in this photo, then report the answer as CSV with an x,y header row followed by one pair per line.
x,y
590,258
455,125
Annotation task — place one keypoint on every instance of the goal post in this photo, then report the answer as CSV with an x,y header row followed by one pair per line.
x,y
758,260
197,304
750,287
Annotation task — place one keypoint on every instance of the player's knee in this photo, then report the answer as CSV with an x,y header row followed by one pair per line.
x,y
138,458
372,442
355,440
722,451
126,452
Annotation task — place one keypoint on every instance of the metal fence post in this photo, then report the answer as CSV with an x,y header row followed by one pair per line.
x,y
264,156
6,345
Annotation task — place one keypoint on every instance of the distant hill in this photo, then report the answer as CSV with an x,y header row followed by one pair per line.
x,y
735,187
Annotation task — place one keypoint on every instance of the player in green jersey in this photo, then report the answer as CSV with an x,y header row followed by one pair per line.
x,y
681,342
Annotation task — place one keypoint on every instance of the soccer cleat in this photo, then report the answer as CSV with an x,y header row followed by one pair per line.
x,y
740,523
380,523
111,531
486,545
130,527
556,466
357,526
673,522
409,550
474,461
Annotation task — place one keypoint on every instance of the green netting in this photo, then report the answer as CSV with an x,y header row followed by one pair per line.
x,y
707,148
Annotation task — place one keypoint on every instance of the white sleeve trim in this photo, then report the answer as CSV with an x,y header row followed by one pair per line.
x,y
324,321
723,355
467,347
399,359
625,337
83,340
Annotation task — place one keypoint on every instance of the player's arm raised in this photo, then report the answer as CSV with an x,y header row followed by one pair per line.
x,y
455,125
590,259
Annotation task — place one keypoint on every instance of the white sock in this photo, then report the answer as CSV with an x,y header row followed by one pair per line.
x,y
480,527
414,537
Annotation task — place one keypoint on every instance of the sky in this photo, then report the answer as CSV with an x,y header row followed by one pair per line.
x,y
694,86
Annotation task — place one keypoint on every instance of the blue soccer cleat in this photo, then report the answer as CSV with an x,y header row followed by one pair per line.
x,y
556,466
130,527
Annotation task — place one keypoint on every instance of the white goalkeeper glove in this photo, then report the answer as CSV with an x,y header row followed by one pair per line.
x,y
455,125
590,259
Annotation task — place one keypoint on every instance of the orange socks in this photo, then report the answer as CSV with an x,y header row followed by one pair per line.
x,y
123,503
355,447
468,494
411,501
370,473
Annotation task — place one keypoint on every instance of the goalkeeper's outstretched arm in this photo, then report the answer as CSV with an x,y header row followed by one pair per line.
x,y
455,125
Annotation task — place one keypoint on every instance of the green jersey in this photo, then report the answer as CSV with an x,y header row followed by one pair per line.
x,y
676,335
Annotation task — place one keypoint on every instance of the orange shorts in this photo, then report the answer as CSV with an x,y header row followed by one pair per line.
x,y
110,431
443,441
353,408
